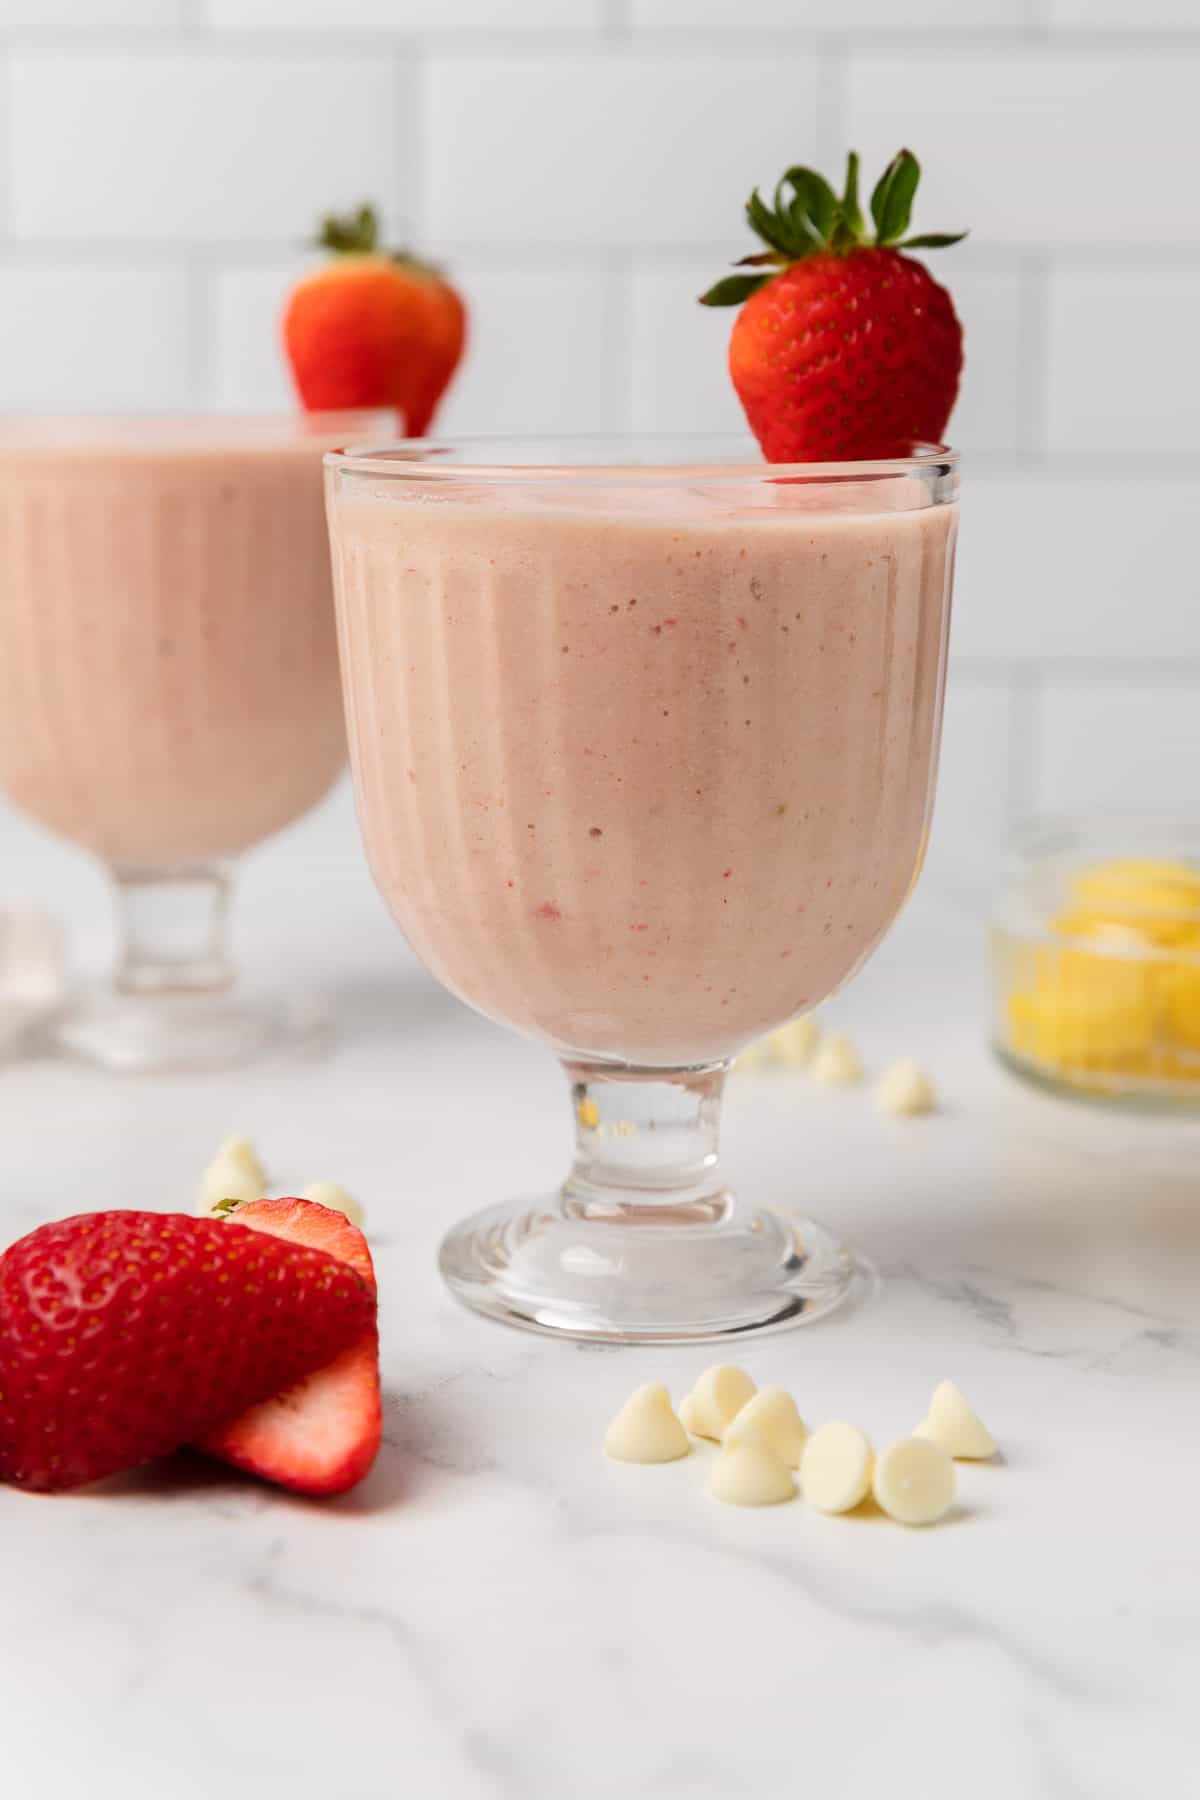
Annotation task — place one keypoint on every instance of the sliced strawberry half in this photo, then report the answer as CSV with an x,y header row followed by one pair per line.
x,y
322,1435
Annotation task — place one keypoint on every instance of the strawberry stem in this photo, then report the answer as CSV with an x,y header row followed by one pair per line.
x,y
357,234
808,217
891,203
852,217
350,234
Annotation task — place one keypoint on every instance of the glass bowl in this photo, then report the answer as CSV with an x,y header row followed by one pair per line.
x,y
1095,962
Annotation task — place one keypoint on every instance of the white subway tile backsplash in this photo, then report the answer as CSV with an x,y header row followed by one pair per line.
x,y
990,411
828,15
1131,747
249,370
1039,146
195,145
543,353
678,375
610,147
80,339
585,164
972,813
1076,567
1122,373
489,16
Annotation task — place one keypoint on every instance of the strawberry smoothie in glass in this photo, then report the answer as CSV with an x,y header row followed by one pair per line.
x,y
644,739
168,690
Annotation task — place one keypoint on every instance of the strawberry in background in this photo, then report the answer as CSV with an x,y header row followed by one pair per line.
x,y
845,347
372,327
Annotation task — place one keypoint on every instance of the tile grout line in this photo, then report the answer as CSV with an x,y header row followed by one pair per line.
x,y
995,259
409,77
1033,350
615,27
580,253
195,29
201,347
1110,671
7,192
833,110
620,280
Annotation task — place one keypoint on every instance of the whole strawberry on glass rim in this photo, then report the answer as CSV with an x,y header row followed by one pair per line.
x,y
373,327
845,348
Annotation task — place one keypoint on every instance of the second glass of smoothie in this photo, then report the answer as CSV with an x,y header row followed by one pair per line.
x,y
644,744
169,690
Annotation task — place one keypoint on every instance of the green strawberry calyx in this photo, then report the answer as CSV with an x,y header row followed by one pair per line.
x,y
223,1208
808,217
357,234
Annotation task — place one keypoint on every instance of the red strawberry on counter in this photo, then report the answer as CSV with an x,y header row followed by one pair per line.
x,y
373,328
844,348
124,1335
322,1435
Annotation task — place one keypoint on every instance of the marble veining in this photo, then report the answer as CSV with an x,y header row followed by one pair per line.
x,y
499,1614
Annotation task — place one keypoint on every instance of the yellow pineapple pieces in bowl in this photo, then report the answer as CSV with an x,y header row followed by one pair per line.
x,y
1099,991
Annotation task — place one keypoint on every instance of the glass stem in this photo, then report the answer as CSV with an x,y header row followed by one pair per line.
x,y
173,931
646,1145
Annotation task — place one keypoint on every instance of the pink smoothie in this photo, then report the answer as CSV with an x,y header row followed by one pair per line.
x,y
642,773
168,662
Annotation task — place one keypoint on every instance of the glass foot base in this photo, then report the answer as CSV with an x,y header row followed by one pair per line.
x,y
612,1281
161,1034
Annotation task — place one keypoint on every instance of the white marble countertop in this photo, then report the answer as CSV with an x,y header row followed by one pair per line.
x,y
499,1614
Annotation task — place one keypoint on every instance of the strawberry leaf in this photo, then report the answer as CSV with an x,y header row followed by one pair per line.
x,y
807,217
814,208
879,193
731,290
892,201
768,226
851,210
416,265
933,240
354,233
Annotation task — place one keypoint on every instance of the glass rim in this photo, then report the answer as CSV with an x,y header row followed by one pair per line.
x,y
1038,838
736,459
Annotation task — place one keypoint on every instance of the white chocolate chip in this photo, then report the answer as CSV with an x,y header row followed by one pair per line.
x,y
835,1470
235,1173
646,1430
689,1414
836,1062
717,1397
914,1481
906,1090
772,1414
953,1424
327,1193
794,1042
748,1472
